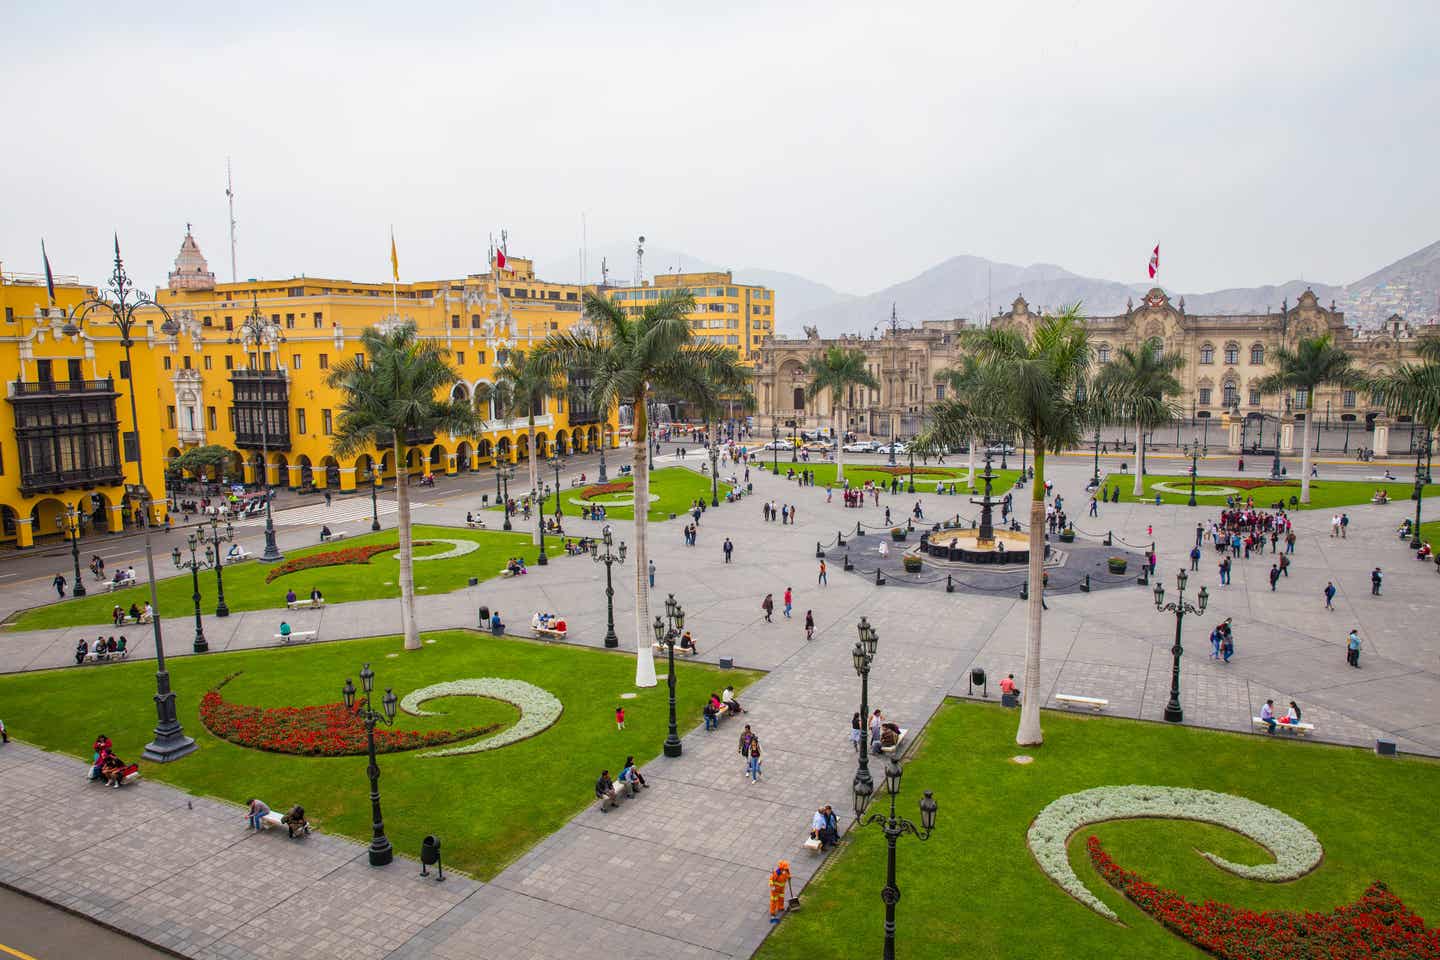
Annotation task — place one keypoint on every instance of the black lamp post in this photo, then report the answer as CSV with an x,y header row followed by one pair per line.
x,y
894,827
539,493
1421,479
862,656
610,557
1095,474
715,472
264,334
558,464
892,448
795,439
195,564
120,300
1275,463
69,524
1179,607
374,493
775,447
602,452
667,631
504,475
380,850
911,488
214,540
1194,450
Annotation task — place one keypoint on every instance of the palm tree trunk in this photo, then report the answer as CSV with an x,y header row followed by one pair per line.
x,y
1139,459
640,436
408,624
1305,461
1029,733
530,426
974,442
839,445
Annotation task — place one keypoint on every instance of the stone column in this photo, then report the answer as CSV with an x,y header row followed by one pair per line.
x,y
250,473
450,468
347,479
292,479
24,535
1232,433
117,518
1381,442
1287,434
319,477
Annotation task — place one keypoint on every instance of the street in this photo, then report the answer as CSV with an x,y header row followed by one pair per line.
x,y
31,930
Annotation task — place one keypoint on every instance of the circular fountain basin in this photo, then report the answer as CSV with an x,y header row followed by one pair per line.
x,y
965,546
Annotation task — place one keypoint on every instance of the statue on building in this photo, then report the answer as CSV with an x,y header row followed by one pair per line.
x,y
811,333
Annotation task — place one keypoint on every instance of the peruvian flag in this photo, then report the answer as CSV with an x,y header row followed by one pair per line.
x,y
500,260
1155,261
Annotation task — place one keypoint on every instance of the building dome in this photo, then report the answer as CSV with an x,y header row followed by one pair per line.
x,y
191,271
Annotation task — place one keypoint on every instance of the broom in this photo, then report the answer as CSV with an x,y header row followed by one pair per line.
x,y
794,903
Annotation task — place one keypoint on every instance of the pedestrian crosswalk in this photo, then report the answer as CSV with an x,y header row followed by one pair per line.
x,y
341,511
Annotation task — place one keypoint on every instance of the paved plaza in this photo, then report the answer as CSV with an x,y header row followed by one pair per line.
x,y
681,873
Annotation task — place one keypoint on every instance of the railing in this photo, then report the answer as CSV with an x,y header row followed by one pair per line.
x,y
248,374
20,388
64,479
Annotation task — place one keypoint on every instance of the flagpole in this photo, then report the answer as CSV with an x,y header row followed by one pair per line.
x,y
394,277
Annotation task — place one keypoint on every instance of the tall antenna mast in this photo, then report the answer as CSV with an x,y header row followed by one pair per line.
x,y
894,320
230,196
640,262
605,272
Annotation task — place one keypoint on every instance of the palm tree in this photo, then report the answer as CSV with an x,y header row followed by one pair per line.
x,y
386,398
1036,385
631,357
523,385
1139,385
712,398
967,395
1413,389
1315,362
837,370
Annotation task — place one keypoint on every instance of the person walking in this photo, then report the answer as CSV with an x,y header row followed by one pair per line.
x,y
327,498
1375,579
1094,507
729,548
822,580
1352,649
752,765
1274,576
1344,524
779,882
1216,639
1195,557
809,625
789,602
59,584
619,718
1227,641
652,573
1224,571
768,605
1330,596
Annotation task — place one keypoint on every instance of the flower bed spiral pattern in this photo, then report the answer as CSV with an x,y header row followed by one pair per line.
x,y
539,709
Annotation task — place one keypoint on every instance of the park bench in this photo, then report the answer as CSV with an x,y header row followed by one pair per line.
x,y
332,538
680,651
238,555
306,604
624,789
1297,729
475,524
812,843
107,657
276,819
112,585
1094,703
895,747
297,636
557,631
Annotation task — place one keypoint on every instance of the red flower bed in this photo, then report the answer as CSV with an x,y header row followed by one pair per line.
x,y
903,471
1377,927
335,558
600,489
328,730
1252,484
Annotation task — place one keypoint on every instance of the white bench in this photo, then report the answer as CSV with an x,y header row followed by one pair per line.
x,y
679,650
898,741
332,538
107,656
306,604
297,636
548,631
112,585
475,524
812,843
1298,729
239,555
272,819
1094,703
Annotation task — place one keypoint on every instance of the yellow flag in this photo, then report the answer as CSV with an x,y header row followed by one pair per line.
x,y
394,258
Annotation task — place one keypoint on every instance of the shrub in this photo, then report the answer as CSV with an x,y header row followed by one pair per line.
x,y
912,564
1118,564
334,558
897,533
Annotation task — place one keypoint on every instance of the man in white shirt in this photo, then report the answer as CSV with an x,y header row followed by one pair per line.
x,y
1267,715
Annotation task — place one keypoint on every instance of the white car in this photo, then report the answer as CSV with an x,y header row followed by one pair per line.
x,y
863,446
897,448
778,445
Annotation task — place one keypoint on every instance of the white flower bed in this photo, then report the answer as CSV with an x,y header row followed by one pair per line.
x,y
539,709
1296,849
458,548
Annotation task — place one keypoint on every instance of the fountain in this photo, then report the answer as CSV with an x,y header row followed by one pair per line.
x,y
982,545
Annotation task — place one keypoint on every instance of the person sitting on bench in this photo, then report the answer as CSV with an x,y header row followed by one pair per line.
x,y
495,623
605,790
148,613
728,698
100,748
112,768
316,596
513,566
324,533
134,613
825,827
255,813
687,643
117,615
81,650
629,774
285,630
234,552
120,645
295,821
111,646
290,595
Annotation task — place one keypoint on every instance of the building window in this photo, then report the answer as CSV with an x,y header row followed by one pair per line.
x,y
185,361
318,322
230,417
229,362
205,361
324,361
480,356
9,314
290,321
1207,354
165,362
1102,353
474,321
327,422
229,323
170,416
210,416
455,321
559,403
1204,396
360,360
1254,397
132,447
460,356
1302,398
1232,354
1232,394
295,361
299,420
1347,399
1257,355
124,369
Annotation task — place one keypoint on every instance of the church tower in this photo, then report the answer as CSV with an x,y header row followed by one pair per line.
x,y
191,271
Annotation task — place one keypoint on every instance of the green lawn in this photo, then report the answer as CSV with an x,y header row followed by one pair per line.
x,y
246,589
677,488
974,890
925,477
1324,494
487,808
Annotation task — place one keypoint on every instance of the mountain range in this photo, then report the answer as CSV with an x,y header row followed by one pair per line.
x,y
974,287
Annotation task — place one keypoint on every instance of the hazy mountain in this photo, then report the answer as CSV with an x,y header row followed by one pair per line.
x,y
794,294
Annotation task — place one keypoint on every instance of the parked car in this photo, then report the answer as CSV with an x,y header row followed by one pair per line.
x,y
778,445
1001,448
897,448
820,446
862,446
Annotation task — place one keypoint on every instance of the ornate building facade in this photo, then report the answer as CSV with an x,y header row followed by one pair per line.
x,y
1226,356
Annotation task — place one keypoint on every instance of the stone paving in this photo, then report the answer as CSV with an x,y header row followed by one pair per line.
x,y
680,872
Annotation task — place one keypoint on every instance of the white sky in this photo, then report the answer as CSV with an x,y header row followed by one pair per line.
x,y
856,145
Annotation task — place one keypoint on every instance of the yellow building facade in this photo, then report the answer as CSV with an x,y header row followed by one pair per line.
x,y
244,367
727,313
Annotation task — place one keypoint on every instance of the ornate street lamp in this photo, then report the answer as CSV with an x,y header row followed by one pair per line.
x,y
714,473
1421,478
912,465
505,475
667,631
1179,607
195,564
603,478
258,329
862,656
120,299
539,495
374,502
380,850
894,827
775,447
559,464
1194,450
215,539
609,558
1095,474
70,523
795,439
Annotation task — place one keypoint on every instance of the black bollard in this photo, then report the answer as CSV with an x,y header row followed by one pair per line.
x,y
1144,578
848,565
1109,538
1085,587
879,578
819,551
949,583
1025,589
858,531
839,538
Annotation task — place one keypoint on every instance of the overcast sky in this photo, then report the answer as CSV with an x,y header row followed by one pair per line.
x,y
855,145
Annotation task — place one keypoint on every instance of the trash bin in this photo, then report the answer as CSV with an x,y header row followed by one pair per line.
x,y
484,616
430,856
726,663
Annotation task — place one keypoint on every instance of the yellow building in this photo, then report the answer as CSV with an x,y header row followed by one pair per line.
x,y
205,380
731,314
272,402
67,438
